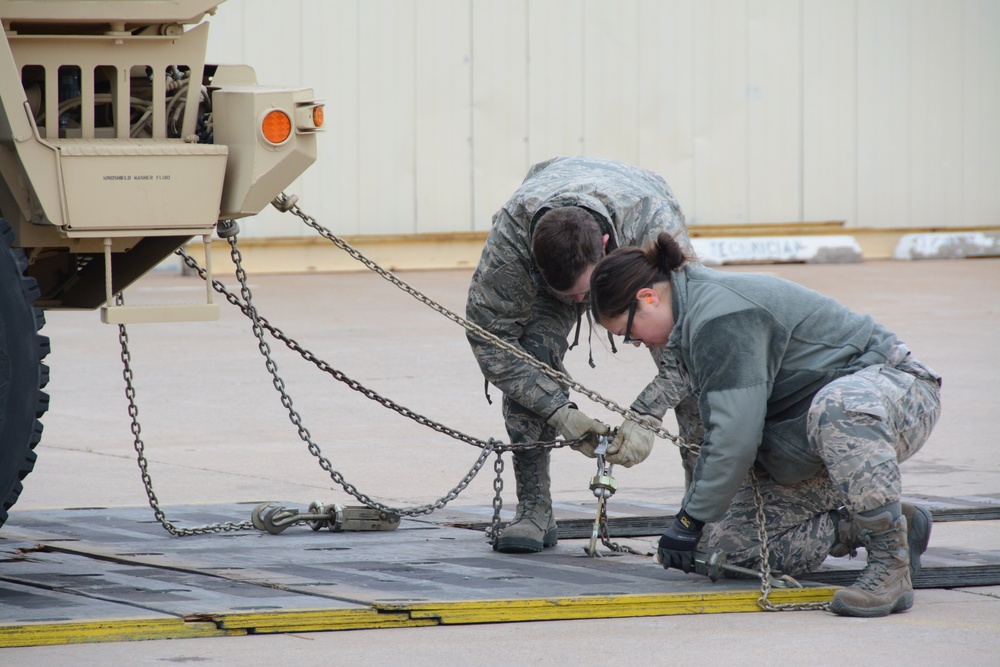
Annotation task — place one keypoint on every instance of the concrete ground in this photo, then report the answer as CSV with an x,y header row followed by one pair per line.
x,y
215,431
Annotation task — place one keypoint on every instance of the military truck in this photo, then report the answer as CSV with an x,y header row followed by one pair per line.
x,y
118,145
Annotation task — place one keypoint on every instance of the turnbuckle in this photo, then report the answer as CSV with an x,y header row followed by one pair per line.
x,y
604,486
713,566
276,519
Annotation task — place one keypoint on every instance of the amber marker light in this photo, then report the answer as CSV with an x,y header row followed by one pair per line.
x,y
309,117
276,126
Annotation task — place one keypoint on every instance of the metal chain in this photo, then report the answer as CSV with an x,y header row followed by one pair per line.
x,y
303,432
284,203
133,411
765,561
494,532
296,347
259,324
606,538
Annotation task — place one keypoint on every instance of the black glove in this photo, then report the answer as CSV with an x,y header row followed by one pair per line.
x,y
678,543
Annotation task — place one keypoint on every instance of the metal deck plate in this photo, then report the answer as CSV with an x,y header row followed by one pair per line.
x,y
114,574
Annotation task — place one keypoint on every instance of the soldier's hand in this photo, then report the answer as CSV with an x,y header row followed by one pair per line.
x,y
634,441
677,545
573,424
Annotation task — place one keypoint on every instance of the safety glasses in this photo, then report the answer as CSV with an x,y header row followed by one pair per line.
x,y
628,324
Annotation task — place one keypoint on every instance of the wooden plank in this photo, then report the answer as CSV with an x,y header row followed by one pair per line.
x,y
307,620
603,606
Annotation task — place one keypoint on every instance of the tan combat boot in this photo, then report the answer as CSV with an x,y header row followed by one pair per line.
x,y
918,535
534,524
884,586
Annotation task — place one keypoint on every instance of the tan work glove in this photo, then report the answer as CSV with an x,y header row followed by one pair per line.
x,y
573,424
634,441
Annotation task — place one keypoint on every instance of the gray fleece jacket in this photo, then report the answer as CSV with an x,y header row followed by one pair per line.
x,y
757,349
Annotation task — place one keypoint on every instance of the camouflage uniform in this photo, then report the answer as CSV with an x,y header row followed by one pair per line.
x,y
822,402
509,298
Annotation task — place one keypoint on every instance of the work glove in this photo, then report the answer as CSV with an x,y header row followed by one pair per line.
x,y
677,545
634,441
573,424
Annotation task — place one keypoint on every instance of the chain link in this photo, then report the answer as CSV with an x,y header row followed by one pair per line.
x,y
494,532
606,538
282,203
296,347
765,561
140,448
296,419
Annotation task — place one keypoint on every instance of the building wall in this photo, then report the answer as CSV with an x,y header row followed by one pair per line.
x,y
878,113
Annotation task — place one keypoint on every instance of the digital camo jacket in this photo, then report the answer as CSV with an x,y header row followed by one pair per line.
x,y
509,298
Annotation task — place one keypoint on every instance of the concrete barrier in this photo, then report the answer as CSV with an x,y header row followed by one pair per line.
x,y
834,249
948,245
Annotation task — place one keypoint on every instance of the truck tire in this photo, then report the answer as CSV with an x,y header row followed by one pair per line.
x,y
22,373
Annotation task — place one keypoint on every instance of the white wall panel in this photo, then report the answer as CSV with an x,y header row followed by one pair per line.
x,y
226,39
500,105
387,123
881,113
556,82
936,113
774,111
829,111
720,103
666,87
611,81
884,119
980,119
266,24
443,129
331,66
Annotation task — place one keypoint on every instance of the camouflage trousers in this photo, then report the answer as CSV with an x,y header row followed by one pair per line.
x,y
862,425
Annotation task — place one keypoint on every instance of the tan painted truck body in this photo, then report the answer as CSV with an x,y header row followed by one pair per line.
x,y
114,132
118,144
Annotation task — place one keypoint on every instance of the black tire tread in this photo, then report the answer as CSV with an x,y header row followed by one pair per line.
x,y
17,455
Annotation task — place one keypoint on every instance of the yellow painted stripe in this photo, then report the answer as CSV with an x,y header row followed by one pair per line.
x,y
601,606
316,619
109,630
402,614
321,626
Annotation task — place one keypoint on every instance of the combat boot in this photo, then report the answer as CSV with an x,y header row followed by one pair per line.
x,y
918,535
884,586
534,524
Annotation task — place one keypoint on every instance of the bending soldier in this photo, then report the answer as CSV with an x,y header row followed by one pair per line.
x,y
530,289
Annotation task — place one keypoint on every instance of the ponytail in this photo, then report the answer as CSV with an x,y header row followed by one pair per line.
x,y
624,271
